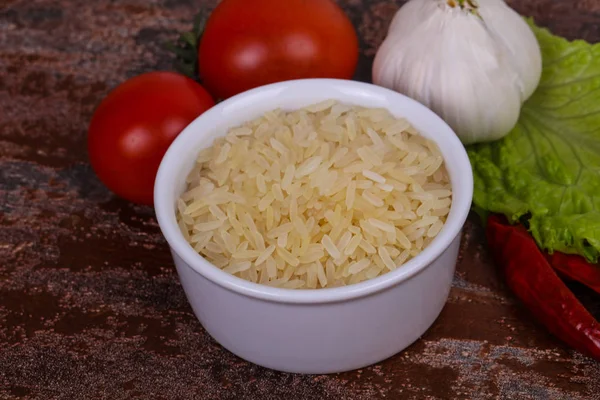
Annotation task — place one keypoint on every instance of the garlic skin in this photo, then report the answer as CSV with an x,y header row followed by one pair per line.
x,y
474,67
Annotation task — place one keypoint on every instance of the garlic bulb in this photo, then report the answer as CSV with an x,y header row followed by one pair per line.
x,y
472,62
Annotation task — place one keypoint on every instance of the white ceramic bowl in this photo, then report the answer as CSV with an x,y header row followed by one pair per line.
x,y
324,330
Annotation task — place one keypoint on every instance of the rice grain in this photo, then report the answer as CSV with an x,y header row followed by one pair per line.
x,y
326,196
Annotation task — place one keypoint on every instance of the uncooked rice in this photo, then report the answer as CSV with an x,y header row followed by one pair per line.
x,y
325,196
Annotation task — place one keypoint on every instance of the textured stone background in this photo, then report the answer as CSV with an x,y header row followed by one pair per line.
x,y
90,305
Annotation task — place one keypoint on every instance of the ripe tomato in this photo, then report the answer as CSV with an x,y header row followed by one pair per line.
x,y
249,43
135,124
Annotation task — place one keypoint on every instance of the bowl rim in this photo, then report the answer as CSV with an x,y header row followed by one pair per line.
x,y
461,204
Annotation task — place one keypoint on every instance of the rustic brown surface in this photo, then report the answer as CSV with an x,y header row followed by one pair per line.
x,y
90,305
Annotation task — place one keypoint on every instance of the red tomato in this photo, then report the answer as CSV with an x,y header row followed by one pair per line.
x,y
135,124
249,43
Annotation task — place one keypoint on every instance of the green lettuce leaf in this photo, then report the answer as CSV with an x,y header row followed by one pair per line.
x,y
547,170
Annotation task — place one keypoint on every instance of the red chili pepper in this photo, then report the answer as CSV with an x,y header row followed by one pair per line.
x,y
535,283
577,268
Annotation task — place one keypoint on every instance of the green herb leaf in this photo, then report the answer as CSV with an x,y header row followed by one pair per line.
x,y
548,167
186,48
190,38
